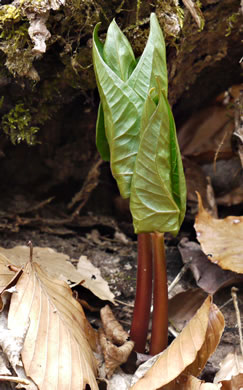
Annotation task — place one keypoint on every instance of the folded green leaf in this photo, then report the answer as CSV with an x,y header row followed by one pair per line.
x,y
152,63
118,53
177,174
101,140
158,187
122,113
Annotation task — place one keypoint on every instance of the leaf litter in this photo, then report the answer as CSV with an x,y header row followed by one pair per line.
x,y
58,265
220,239
186,382
57,348
189,351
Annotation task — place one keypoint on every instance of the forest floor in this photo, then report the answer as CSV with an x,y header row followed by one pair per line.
x,y
111,247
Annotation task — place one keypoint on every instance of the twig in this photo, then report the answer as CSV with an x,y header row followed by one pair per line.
x,y
6,378
178,277
37,206
173,331
124,303
237,312
89,185
225,303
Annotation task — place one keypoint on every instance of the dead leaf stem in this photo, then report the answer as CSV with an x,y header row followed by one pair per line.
x,y
237,312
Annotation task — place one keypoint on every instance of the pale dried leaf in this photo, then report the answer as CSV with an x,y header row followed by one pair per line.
x,y
184,305
213,126
93,279
221,239
3,365
5,273
114,356
56,352
230,374
210,277
112,328
58,266
11,341
192,383
188,352
119,380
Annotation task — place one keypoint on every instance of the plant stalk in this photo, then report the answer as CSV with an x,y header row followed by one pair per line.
x,y
141,313
159,337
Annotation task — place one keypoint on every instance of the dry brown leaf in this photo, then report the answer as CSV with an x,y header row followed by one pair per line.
x,y
220,239
192,383
196,180
214,127
112,328
5,273
230,374
113,333
189,352
210,277
183,306
56,352
93,279
58,266
114,356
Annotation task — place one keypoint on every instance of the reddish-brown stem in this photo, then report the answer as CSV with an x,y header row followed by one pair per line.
x,y
159,337
141,313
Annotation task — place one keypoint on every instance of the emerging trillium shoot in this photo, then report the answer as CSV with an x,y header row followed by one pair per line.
x,y
136,133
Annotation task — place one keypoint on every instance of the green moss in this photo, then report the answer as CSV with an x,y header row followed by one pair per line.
x,y
17,125
231,21
15,41
9,13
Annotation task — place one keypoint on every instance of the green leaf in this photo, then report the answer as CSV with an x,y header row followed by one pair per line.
x,y
158,187
151,64
101,140
118,53
122,114
178,177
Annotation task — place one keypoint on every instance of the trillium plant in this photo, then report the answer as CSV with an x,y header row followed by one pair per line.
x,y
136,133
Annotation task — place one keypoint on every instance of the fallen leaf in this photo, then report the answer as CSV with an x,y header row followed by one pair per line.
x,y
192,383
189,352
184,305
5,273
230,374
114,356
220,239
93,279
214,125
112,328
196,180
119,380
58,266
208,276
111,334
56,352
3,365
